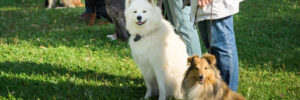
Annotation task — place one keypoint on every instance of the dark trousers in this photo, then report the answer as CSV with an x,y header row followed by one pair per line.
x,y
98,6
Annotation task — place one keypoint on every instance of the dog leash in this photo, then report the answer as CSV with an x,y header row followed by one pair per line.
x,y
210,24
210,29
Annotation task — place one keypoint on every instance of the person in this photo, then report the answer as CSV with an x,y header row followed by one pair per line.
x,y
221,41
218,35
100,11
180,19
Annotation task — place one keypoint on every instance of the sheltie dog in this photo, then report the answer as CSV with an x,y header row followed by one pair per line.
x,y
202,81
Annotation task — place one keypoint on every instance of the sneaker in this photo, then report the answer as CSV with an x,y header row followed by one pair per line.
x,y
112,36
84,17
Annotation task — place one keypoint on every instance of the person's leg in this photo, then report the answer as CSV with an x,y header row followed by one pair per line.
x,y
223,46
180,19
101,10
202,27
87,7
84,16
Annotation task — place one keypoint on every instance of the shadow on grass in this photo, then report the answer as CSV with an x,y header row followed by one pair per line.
x,y
31,81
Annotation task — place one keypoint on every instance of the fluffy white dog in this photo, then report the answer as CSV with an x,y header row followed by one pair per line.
x,y
159,52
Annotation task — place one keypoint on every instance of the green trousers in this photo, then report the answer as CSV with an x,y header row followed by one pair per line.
x,y
180,19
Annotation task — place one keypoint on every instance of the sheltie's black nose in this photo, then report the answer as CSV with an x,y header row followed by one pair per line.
x,y
139,17
200,77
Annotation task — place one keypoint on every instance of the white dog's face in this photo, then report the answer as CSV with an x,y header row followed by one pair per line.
x,y
141,15
139,11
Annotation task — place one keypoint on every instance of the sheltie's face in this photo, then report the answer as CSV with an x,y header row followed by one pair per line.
x,y
202,81
202,69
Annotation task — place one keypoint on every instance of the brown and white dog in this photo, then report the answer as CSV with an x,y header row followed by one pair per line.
x,y
67,3
202,81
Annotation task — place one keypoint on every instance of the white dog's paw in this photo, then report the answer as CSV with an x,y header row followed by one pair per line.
x,y
148,94
144,98
162,98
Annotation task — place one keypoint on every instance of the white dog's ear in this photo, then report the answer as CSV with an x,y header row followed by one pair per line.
x,y
127,3
152,2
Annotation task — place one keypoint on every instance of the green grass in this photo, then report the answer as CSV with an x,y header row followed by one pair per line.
x,y
49,54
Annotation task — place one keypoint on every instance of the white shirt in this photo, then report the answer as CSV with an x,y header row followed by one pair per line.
x,y
221,9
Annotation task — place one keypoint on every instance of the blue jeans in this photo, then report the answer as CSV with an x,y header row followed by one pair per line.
x,y
223,46
180,19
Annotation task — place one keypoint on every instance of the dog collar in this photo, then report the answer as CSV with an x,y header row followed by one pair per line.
x,y
137,38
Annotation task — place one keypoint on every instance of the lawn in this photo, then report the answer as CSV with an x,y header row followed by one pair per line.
x,y
49,54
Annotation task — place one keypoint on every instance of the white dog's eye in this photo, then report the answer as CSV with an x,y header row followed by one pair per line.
x,y
134,11
144,11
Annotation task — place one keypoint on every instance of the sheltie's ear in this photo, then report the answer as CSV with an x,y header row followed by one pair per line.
x,y
191,60
152,2
127,3
211,59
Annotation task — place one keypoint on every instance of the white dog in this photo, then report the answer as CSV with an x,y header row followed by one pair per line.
x,y
159,52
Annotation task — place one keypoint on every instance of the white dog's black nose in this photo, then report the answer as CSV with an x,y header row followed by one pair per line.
x,y
139,17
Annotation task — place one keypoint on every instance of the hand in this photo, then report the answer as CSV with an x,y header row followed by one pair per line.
x,y
203,3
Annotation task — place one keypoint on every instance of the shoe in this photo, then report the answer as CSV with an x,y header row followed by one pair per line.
x,y
112,36
83,17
